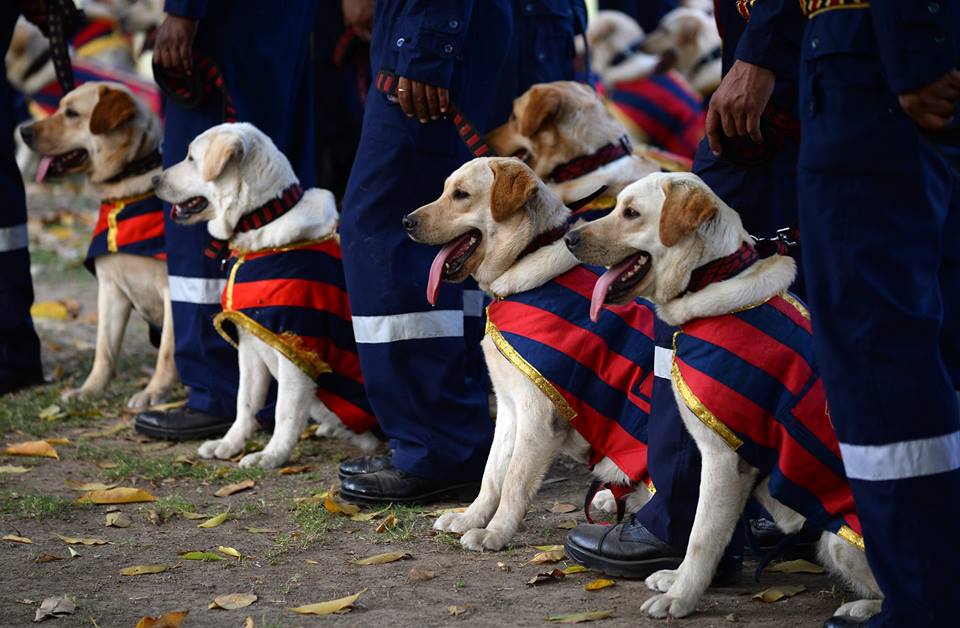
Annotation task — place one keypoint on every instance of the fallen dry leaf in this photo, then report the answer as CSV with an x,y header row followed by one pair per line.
x,y
295,470
105,464
380,559
599,583
443,511
55,310
796,566
73,553
51,412
75,540
367,516
88,486
185,459
310,561
572,569
233,601
230,489
546,577
548,548
336,507
55,607
113,430
172,619
330,607
47,558
12,468
551,556
38,448
457,610
13,538
248,623
153,516
193,515
570,524
213,522
117,520
774,594
503,566
389,523
261,530
57,441
561,508
120,495
578,618
228,551
139,570
419,575
198,555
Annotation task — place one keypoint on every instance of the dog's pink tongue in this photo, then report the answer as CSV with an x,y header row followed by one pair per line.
x,y
43,168
602,286
436,270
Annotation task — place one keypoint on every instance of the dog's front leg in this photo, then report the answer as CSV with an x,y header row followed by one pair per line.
x,y
724,488
165,375
295,395
113,312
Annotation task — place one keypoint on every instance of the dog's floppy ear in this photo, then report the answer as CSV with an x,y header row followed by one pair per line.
x,y
686,207
544,103
222,148
513,185
115,107
687,30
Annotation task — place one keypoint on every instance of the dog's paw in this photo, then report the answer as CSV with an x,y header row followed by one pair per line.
x,y
663,606
458,522
860,609
604,501
263,459
79,393
481,539
220,448
144,399
661,580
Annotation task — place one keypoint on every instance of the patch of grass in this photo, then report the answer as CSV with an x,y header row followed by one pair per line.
x,y
314,522
35,505
281,545
410,523
133,463
172,504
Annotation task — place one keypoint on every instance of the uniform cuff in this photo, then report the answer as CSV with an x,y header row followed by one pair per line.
x,y
186,8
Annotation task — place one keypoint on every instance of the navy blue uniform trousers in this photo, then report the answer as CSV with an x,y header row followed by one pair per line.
x,y
263,51
19,345
880,220
423,366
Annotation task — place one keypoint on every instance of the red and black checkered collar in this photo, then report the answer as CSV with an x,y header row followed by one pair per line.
x,y
259,217
585,164
723,268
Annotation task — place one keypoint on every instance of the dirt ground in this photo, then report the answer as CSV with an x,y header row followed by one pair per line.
x,y
294,551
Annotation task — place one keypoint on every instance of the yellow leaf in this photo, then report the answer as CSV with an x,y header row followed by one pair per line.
x,y
562,508
310,561
173,619
233,601
51,412
198,555
569,524
572,569
117,520
552,556
213,522
367,516
380,559
774,594
456,610
796,566
337,507
261,530
139,570
74,540
120,495
599,583
248,623
13,538
328,608
548,548
230,489
229,551
193,515
295,470
443,511
389,523
11,468
88,486
577,618
57,441
38,448
50,310
546,578
103,464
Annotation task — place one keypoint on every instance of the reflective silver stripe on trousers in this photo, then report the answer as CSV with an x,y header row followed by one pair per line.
x,y
662,361
13,238
198,290
903,460
472,303
412,326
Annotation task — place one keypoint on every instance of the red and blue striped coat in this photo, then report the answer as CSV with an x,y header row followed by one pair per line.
x,y
598,375
294,299
752,377
132,225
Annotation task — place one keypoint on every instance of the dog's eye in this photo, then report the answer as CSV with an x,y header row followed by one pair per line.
x,y
459,195
70,113
630,212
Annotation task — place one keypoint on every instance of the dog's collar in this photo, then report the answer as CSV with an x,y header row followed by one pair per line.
x,y
723,268
625,54
585,164
263,215
586,200
710,57
544,239
145,164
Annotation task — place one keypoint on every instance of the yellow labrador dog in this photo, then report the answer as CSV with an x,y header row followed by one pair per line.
x,y
690,37
501,225
102,130
671,239
285,281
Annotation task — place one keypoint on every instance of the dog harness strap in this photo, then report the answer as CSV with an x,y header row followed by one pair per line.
x,y
143,165
386,83
263,215
586,200
723,268
131,225
585,164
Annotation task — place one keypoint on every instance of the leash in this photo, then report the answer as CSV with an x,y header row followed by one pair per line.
x,y
732,265
192,90
63,17
386,84
619,495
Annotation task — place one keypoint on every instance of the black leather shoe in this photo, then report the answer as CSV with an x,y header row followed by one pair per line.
x,y
393,485
364,464
14,384
768,536
629,550
180,424
845,621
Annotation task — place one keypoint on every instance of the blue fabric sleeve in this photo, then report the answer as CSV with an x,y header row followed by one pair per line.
x,y
763,42
428,37
917,40
186,8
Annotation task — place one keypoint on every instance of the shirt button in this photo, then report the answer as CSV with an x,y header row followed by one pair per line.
x,y
453,24
400,42
814,43
939,39
528,7
448,49
933,7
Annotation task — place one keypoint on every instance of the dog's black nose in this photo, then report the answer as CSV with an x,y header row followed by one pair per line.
x,y
26,132
409,222
572,238
155,180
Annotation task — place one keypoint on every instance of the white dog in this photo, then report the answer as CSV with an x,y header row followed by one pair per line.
x,y
284,290
663,241
690,36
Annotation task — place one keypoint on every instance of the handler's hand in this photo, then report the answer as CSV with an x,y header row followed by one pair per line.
x,y
358,14
35,11
174,47
932,107
736,106
424,101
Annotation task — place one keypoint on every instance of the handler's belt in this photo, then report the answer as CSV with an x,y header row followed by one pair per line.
x,y
386,83
192,90
811,8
